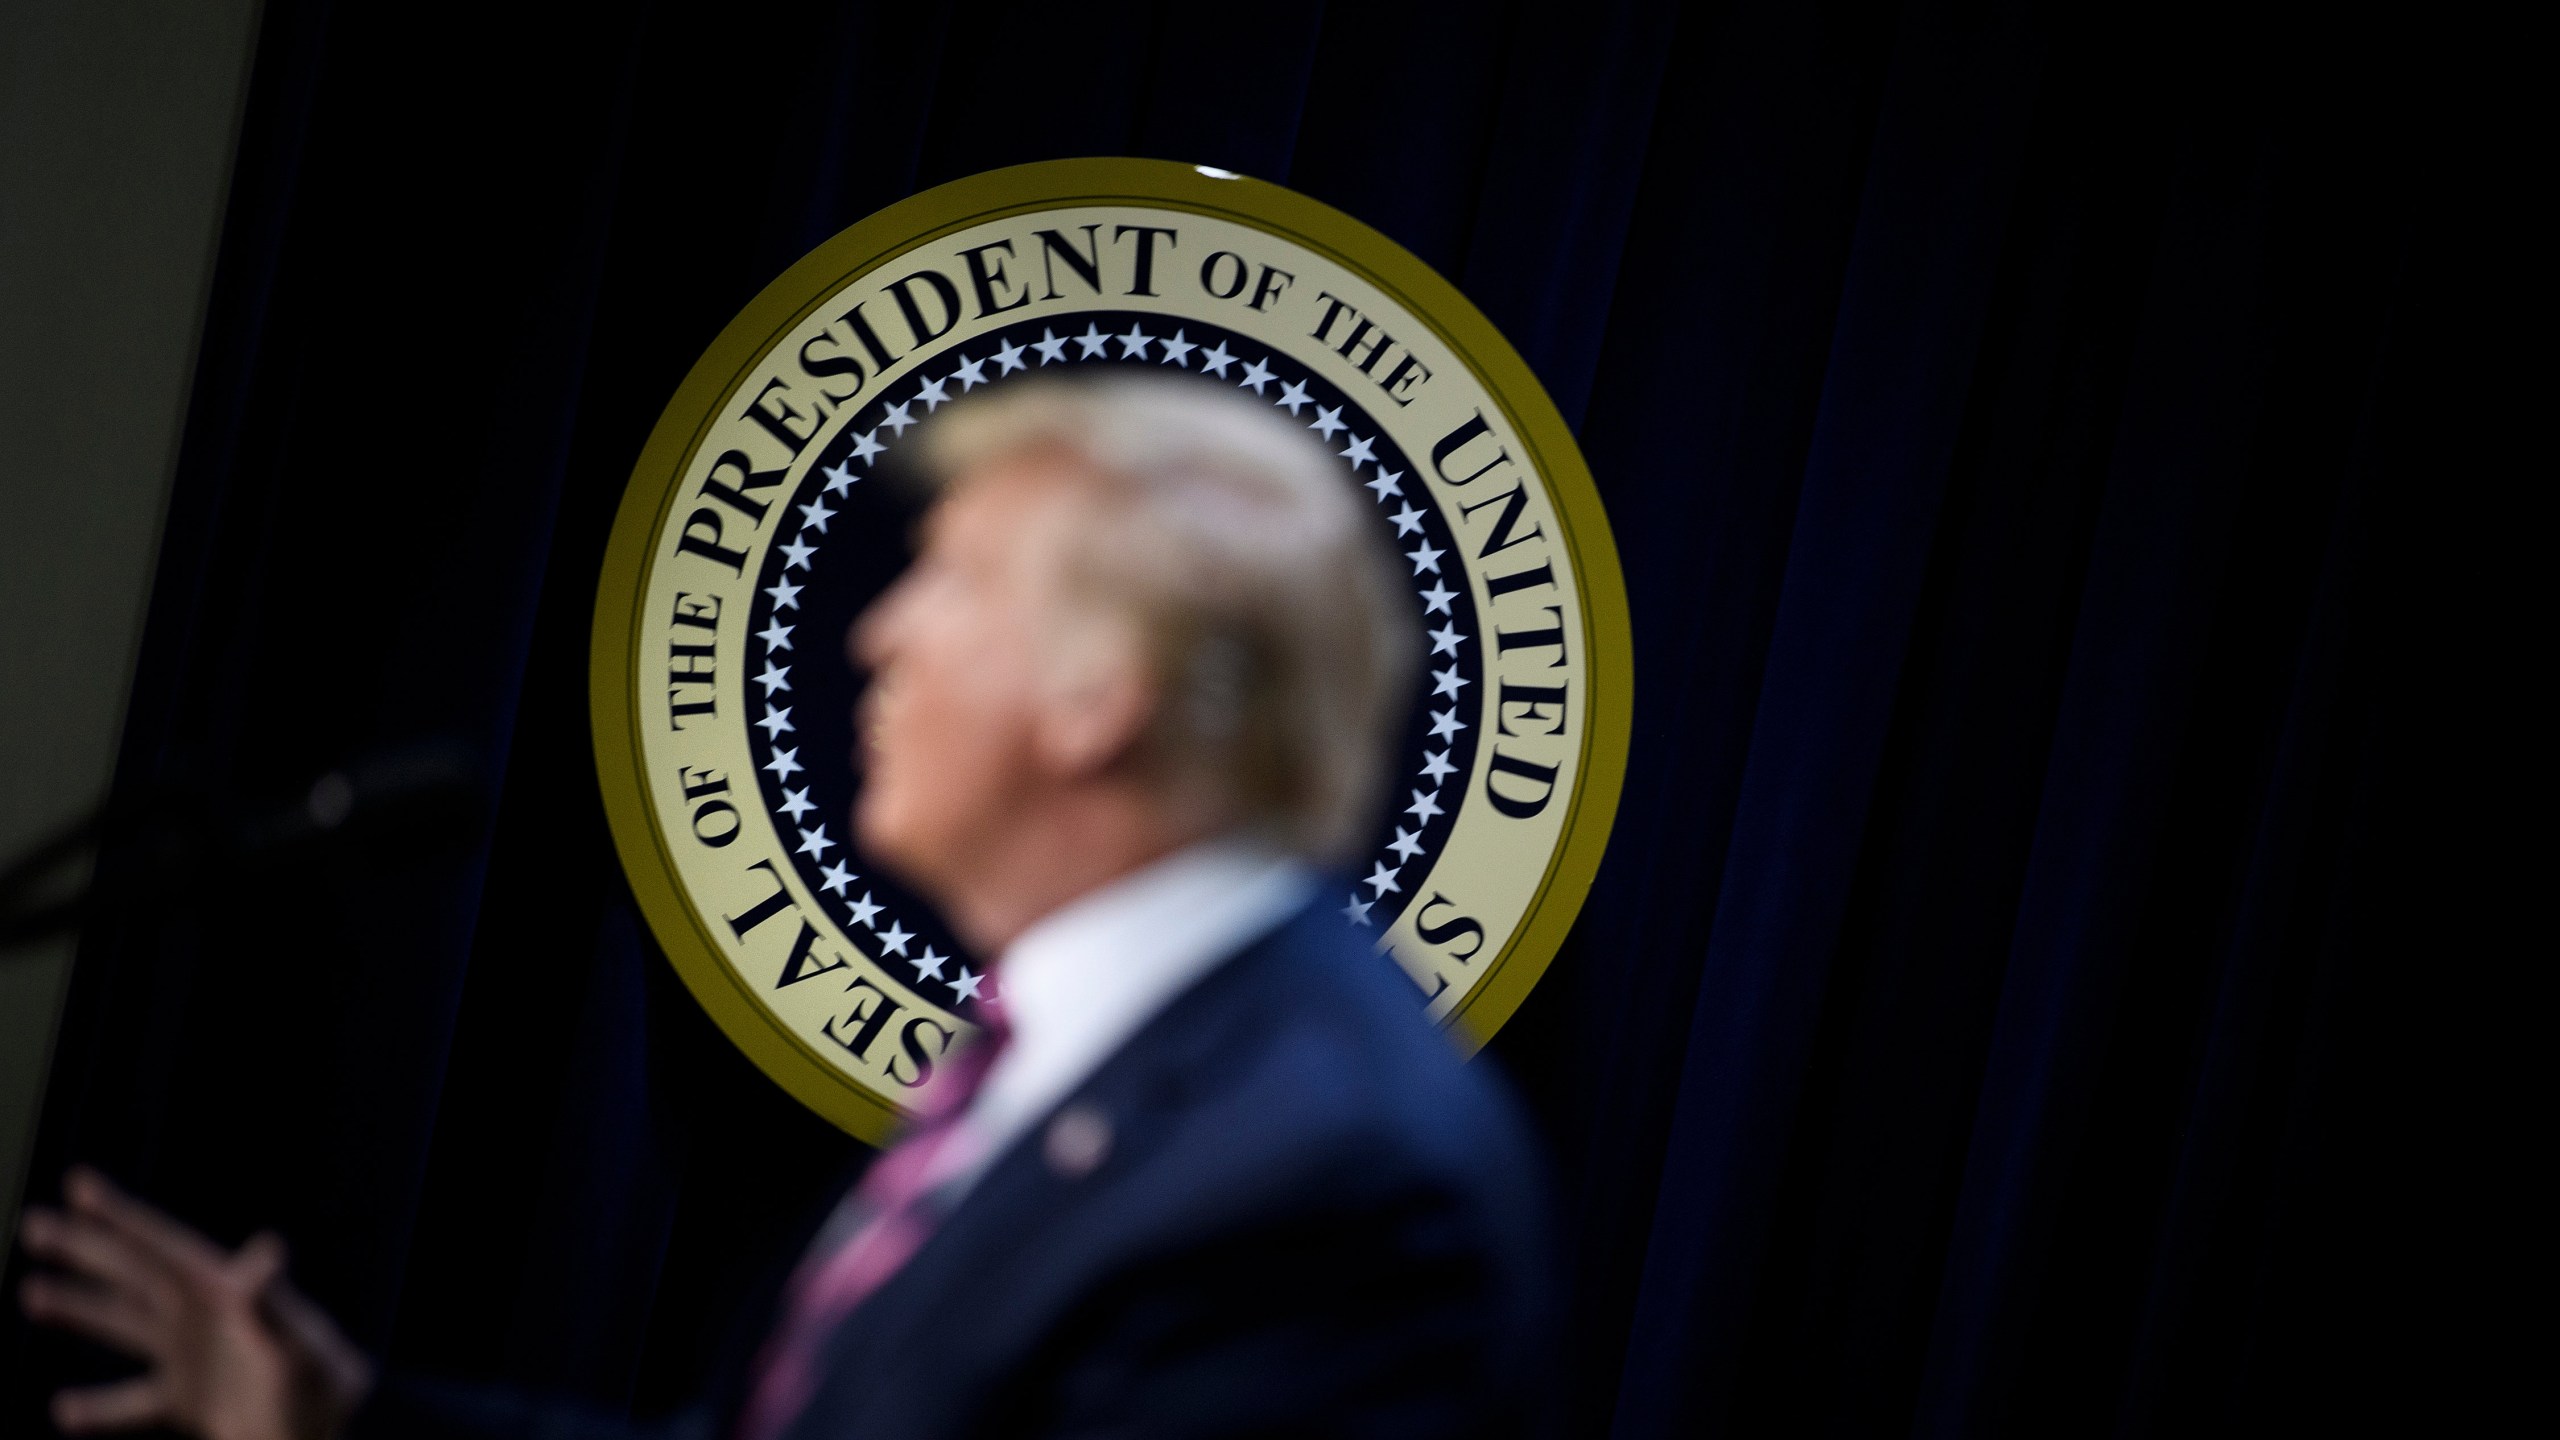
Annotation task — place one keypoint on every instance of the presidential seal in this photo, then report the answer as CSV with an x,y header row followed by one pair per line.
x,y
757,524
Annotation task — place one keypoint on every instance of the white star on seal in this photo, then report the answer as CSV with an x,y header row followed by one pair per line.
x,y
1408,520
893,941
774,723
1051,348
1215,360
1426,803
1386,485
796,803
784,764
840,477
1357,912
865,910
1092,340
838,876
1382,878
933,393
1135,342
867,444
971,374
1295,397
1008,358
1427,557
786,596
1435,601
897,418
1445,724
795,556
932,962
1256,376
1177,351
815,842
775,634
1436,766
775,677
1408,843
1444,641
1447,682
816,514
1362,451
1328,419
966,987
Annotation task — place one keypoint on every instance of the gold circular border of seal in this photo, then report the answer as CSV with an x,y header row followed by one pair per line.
x,y
919,220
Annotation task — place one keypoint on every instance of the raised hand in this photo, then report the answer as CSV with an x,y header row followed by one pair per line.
x,y
234,1351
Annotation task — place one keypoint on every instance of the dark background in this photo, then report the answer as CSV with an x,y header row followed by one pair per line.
x,y
1992,1016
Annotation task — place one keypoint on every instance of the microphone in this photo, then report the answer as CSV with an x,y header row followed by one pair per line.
x,y
402,803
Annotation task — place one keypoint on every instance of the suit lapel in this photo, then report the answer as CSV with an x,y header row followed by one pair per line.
x,y
987,1284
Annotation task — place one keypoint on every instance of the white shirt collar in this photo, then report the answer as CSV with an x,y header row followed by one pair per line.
x,y
1083,978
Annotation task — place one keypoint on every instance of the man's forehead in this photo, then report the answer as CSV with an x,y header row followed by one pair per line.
x,y
1003,496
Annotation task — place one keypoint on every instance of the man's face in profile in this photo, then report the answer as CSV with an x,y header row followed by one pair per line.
x,y
948,726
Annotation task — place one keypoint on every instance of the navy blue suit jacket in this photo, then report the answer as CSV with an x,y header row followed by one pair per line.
x,y
1309,1219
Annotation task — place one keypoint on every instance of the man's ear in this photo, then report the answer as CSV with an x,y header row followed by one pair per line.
x,y
1101,701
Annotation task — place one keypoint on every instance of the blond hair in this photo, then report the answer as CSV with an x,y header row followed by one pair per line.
x,y
1265,597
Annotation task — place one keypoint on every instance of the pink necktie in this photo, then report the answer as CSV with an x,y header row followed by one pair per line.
x,y
893,1202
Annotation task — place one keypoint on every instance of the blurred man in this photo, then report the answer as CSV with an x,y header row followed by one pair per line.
x,y
1207,1171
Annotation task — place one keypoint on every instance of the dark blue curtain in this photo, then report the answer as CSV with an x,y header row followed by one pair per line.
x,y
2014,434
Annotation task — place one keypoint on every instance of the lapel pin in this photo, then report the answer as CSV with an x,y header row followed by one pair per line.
x,y
1078,1141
